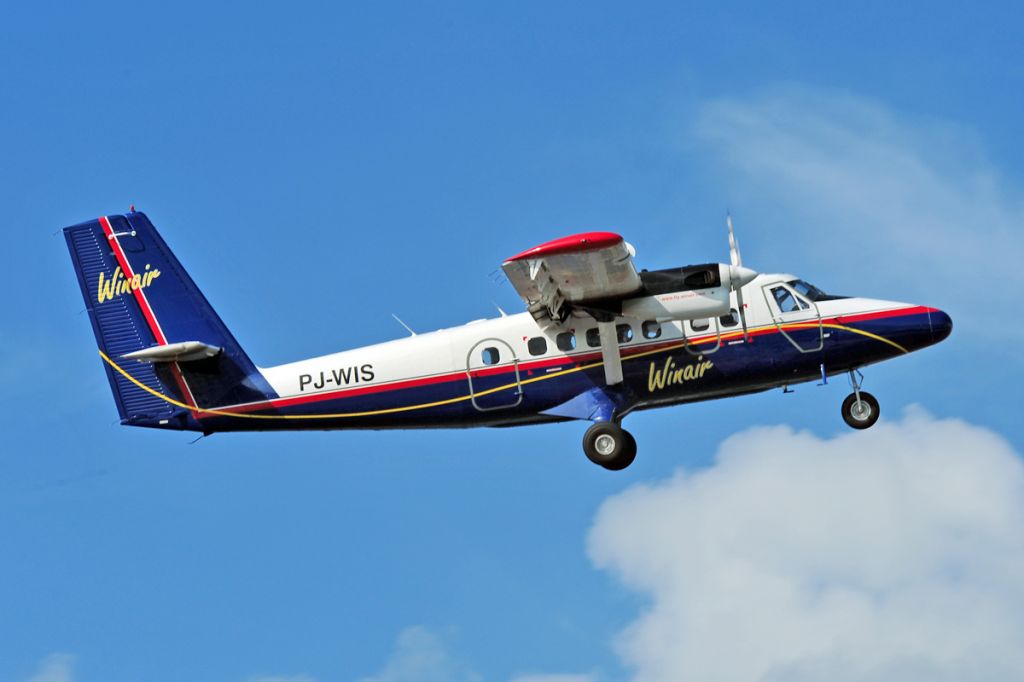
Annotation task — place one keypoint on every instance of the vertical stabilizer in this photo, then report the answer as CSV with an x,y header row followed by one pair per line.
x,y
142,302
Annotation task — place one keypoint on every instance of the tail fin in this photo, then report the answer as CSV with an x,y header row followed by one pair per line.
x,y
142,304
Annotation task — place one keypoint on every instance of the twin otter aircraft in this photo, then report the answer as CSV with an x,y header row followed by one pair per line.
x,y
598,341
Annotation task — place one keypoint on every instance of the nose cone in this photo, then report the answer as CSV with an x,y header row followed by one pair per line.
x,y
941,325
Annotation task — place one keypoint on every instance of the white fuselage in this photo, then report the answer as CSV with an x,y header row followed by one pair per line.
x,y
461,348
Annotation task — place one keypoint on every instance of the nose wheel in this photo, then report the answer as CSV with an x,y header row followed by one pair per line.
x,y
860,409
609,445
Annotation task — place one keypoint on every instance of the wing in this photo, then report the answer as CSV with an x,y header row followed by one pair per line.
x,y
556,275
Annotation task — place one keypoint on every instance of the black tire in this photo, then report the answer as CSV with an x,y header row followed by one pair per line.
x,y
861,416
606,444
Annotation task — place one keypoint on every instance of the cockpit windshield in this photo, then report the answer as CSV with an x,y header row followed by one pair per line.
x,y
809,291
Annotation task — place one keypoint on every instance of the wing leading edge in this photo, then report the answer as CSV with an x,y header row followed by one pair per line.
x,y
589,266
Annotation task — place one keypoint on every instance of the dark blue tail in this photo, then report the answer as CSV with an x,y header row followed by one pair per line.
x,y
140,299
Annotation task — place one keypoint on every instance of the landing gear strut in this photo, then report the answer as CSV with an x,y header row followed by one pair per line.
x,y
607,444
860,409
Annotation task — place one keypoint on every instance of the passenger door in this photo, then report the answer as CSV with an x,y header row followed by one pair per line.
x,y
492,371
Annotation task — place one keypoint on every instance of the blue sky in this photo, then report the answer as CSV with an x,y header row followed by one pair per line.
x,y
318,167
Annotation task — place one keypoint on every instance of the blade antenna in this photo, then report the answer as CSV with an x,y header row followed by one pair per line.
x,y
407,327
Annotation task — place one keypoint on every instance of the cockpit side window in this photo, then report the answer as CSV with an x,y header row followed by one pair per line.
x,y
811,292
784,298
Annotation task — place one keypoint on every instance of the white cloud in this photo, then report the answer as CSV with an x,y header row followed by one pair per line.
x,y
863,189
420,655
891,554
55,668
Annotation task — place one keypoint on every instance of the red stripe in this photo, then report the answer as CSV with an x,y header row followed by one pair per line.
x,y
568,362
524,368
881,314
147,311
140,297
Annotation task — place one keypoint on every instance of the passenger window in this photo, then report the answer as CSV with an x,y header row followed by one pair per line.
x,y
730,320
593,338
538,345
700,325
785,300
625,333
490,356
566,341
651,329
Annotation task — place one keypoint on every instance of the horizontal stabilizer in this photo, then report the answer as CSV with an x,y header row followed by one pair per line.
x,y
183,351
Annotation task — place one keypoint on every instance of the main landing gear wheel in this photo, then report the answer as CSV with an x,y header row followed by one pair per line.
x,y
860,410
607,444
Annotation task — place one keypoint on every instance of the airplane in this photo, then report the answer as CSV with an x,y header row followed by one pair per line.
x,y
599,340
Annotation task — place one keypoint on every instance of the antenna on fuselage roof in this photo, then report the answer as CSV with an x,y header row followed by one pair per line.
x,y
503,313
399,321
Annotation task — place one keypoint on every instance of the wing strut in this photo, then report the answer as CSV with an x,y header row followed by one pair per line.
x,y
610,352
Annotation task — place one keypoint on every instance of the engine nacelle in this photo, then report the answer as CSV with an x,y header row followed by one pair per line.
x,y
689,293
679,305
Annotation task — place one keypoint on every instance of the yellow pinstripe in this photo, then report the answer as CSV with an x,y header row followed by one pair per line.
x,y
450,401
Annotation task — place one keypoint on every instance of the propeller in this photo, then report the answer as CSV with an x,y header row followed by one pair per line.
x,y
734,246
738,275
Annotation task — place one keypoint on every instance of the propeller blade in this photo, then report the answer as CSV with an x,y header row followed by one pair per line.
x,y
738,274
734,247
